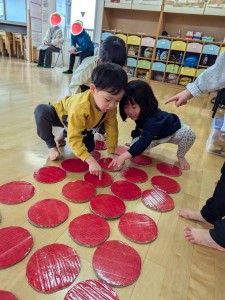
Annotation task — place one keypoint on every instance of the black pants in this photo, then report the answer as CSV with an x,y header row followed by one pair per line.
x,y
46,118
214,211
45,56
82,55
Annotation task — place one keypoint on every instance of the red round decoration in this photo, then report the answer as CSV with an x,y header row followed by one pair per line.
x,y
104,163
96,155
48,213
105,181
157,200
126,190
79,191
134,174
5,295
107,206
91,289
117,263
89,230
121,149
142,160
15,192
169,169
52,268
15,244
138,228
55,19
100,145
165,184
50,174
76,28
74,165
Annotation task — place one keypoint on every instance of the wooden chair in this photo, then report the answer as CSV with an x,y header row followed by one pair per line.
x,y
18,44
6,42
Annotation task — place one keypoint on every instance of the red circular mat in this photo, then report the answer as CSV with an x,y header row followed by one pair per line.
x,y
91,290
142,160
105,181
16,192
50,174
74,165
15,244
165,184
52,268
48,213
134,174
89,230
104,163
5,295
138,228
107,206
169,169
117,263
96,155
100,145
126,190
157,200
79,191
121,149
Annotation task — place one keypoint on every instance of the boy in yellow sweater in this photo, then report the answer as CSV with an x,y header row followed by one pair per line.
x,y
83,113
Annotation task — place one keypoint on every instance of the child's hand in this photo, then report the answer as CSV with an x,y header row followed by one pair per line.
x,y
117,162
94,167
113,156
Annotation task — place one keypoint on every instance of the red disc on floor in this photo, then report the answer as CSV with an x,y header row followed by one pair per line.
x,y
126,190
138,228
91,289
169,169
89,230
104,163
74,165
100,145
165,184
117,263
157,200
96,155
15,192
105,181
107,206
134,174
79,191
15,244
142,160
52,268
5,295
121,149
50,174
48,213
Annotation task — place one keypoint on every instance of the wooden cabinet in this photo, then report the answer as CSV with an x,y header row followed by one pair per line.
x,y
215,7
195,7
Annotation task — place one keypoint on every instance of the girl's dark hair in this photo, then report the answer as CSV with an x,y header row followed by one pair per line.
x,y
139,92
109,77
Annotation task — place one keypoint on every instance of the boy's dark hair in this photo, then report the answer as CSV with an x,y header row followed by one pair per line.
x,y
139,92
109,77
113,50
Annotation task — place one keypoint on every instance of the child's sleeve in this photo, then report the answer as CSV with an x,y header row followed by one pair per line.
x,y
111,128
135,133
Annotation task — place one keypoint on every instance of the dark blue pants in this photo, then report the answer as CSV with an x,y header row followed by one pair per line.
x,y
82,55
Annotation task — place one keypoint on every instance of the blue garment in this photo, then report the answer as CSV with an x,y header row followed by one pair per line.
x,y
157,126
83,41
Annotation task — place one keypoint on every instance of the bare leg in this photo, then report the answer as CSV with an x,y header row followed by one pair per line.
x,y
54,153
184,165
60,140
191,214
201,237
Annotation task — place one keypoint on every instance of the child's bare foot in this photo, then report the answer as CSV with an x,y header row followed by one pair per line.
x,y
184,165
60,140
54,153
201,237
191,214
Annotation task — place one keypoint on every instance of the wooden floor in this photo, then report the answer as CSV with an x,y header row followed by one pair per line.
x,y
172,268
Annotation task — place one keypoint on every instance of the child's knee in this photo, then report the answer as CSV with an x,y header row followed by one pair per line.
x,y
40,111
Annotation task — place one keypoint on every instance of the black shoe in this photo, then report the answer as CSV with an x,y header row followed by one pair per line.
x,y
68,72
39,65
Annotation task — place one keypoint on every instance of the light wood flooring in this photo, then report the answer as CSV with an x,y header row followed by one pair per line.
x,y
172,268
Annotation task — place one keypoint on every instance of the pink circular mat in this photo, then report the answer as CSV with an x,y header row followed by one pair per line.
x,y
5,295
74,165
96,155
16,243
157,200
100,145
138,228
52,268
142,160
165,184
126,190
104,163
78,191
89,230
134,174
107,206
49,174
117,263
91,290
15,192
48,213
169,169
105,181
121,149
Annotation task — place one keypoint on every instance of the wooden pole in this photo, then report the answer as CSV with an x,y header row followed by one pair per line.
x,y
29,37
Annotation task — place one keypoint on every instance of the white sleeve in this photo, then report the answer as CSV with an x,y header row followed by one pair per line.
x,y
47,37
58,38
